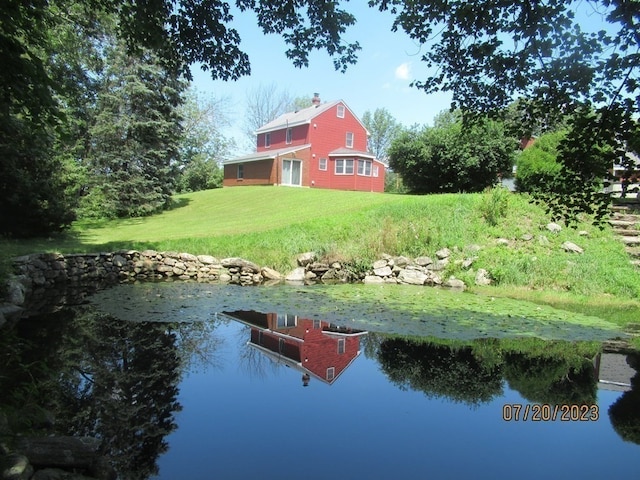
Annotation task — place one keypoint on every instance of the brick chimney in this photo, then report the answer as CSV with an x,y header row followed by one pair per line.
x,y
315,101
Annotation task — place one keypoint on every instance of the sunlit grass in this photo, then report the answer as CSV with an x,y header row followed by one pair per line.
x,y
271,225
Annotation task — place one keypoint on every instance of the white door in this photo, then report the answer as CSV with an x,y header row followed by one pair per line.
x,y
291,172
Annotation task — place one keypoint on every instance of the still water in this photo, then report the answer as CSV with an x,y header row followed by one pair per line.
x,y
244,394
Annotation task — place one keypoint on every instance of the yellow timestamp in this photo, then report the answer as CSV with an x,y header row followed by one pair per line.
x,y
545,412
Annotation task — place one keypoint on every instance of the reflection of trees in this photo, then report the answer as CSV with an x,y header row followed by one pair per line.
x,y
439,371
554,380
251,360
543,372
122,387
103,377
625,412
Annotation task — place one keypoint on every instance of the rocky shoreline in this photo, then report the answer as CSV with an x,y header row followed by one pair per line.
x,y
38,274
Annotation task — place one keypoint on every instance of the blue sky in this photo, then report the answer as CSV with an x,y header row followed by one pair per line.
x,y
387,64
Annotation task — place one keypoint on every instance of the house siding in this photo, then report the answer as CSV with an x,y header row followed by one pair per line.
x,y
255,173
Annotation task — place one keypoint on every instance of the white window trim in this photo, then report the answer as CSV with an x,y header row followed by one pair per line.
x,y
240,171
321,162
340,111
267,139
364,163
375,171
344,161
346,142
289,136
331,373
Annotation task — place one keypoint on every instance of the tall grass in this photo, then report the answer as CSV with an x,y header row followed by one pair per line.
x,y
271,225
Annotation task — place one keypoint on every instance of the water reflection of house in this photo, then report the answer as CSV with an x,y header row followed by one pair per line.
x,y
317,348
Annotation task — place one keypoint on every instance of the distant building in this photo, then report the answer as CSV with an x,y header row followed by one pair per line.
x,y
323,146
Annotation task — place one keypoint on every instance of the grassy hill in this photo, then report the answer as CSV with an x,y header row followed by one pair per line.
x,y
271,225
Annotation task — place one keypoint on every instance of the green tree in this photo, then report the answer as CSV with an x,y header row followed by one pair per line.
x,y
135,137
538,165
203,145
383,128
486,53
452,157
32,179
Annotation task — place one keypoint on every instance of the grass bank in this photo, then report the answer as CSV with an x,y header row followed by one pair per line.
x,y
270,225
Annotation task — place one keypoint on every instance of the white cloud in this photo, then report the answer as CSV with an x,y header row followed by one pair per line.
x,y
403,71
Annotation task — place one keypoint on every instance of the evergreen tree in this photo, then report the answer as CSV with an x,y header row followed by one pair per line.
x,y
135,137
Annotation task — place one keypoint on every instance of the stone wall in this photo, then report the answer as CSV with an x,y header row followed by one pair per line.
x,y
69,278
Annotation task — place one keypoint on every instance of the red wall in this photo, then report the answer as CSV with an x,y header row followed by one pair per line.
x,y
326,133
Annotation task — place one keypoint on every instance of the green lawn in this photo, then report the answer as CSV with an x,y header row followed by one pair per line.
x,y
271,225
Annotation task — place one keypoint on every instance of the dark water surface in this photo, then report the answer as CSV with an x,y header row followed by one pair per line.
x,y
234,393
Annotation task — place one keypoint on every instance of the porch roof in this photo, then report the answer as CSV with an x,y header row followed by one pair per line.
x,y
266,155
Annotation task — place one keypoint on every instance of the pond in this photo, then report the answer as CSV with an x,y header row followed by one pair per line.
x,y
199,381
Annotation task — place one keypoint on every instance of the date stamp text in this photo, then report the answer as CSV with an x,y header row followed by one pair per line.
x,y
545,412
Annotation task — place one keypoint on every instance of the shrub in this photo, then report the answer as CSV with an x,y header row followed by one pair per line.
x,y
494,204
538,166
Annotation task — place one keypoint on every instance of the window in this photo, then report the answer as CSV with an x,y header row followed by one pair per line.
x,y
267,139
331,373
240,171
289,135
344,166
375,170
341,344
323,164
285,320
349,142
340,111
364,167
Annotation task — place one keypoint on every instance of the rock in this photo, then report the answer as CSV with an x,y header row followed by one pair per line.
x,y
454,283
543,240
443,253
309,275
187,257
240,263
207,260
553,227
527,237
296,275
583,233
271,274
482,277
306,258
439,265
412,277
502,241
334,274
16,290
572,247
119,261
380,264
382,272
467,262
15,467
424,261
401,261
373,279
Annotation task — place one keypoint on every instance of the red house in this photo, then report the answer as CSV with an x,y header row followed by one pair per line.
x,y
316,348
322,146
